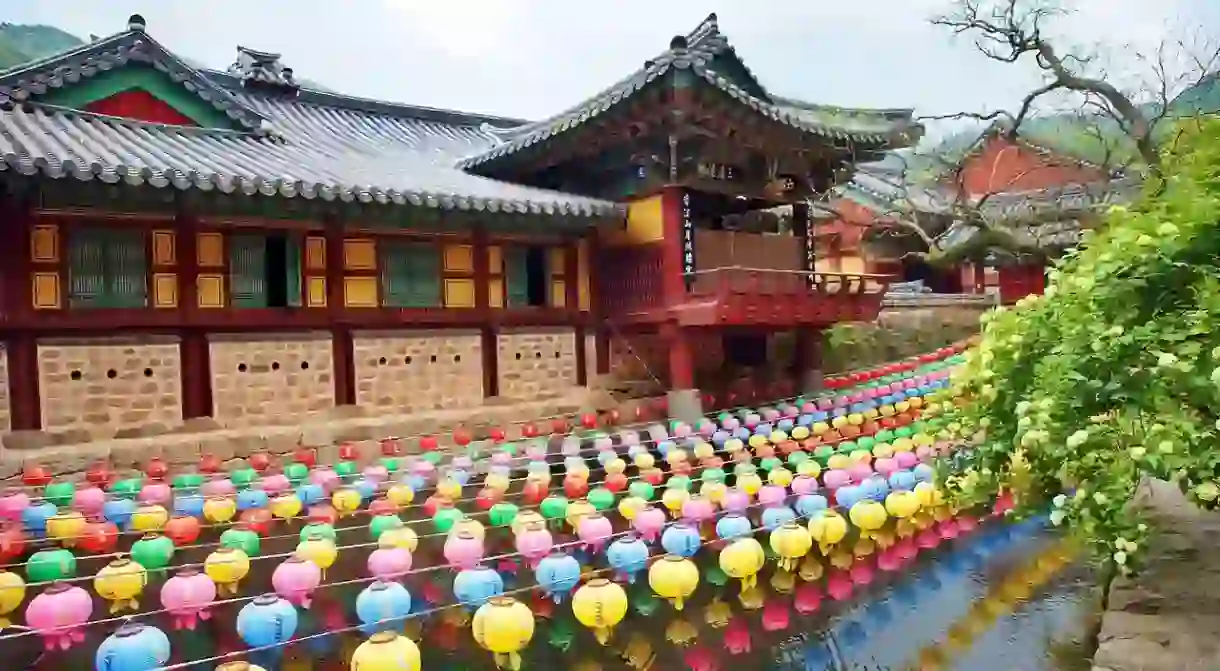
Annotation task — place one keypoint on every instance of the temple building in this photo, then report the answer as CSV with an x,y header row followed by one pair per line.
x,y
182,242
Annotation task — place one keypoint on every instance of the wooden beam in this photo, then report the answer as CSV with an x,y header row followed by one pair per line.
x,y
342,351
489,332
194,349
25,403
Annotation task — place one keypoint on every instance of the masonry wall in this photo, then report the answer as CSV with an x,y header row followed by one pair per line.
x,y
536,362
270,378
408,371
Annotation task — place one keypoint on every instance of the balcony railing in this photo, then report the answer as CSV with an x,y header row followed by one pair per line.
x,y
743,280
738,295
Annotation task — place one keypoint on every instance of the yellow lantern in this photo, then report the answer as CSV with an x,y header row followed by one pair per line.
x,y
399,494
676,456
401,537
733,445
752,599
219,509
743,559
680,632
883,451
149,518
504,626
714,491
120,582
674,578
903,445
778,437
901,504
470,526
783,582
600,605
285,506
915,402
905,528
902,406
496,482
827,529
673,498
717,614
757,440
791,542
855,419
923,440
800,433
842,559
525,519
615,466
318,549
12,594
868,516
838,461
66,527
864,547
929,496
346,501
580,470
870,413
780,476
809,467
704,450
644,461
819,428
884,538
577,511
861,456
226,567
748,481
811,569
638,652
629,506
448,488
387,651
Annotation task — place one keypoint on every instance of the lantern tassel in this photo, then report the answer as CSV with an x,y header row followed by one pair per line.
x,y
678,603
602,634
5,623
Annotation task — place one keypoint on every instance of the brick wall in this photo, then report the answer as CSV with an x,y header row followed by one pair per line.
x,y
270,378
407,371
536,362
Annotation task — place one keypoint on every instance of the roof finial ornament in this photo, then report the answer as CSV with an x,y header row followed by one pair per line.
x,y
678,42
136,23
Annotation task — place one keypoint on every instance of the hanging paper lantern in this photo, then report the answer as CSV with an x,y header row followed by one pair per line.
x,y
12,594
65,527
557,575
219,509
502,514
59,615
383,523
446,517
267,620
791,542
226,566
674,578
59,493
186,597
628,556
386,651
98,537
534,542
649,522
600,605
389,562
504,626
50,565
134,647
183,530
120,582
474,586
594,530
743,559
34,517
149,518
383,606
243,538
401,537
827,529
868,516
554,508
295,579
463,550
682,539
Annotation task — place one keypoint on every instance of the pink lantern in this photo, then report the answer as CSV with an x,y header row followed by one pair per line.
x,y
859,472
924,453
89,501
731,424
594,530
862,571
770,414
59,614
775,616
809,407
752,420
839,586
187,596
327,479
804,484
966,524
791,412
737,637
218,485
536,453
836,478
825,404
389,563
649,522
736,501
771,495
423,468
808,598
948,529
699,658
12,505
682,430
464,550
888,560
886,466
276,483
376,473
535,542
906,460
906,549
295,579
156,493
698,509
927,539
501,458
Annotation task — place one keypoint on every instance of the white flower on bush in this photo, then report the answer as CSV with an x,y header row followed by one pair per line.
x,y
1167,230
1145,240
1166,360
1077,439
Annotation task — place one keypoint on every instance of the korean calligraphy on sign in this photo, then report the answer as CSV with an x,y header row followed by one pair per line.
x,y
688,242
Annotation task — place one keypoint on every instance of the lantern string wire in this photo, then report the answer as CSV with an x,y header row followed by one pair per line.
x,y
916,360
480,513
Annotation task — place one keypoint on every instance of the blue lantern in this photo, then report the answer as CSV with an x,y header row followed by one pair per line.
x,y
923,473
853,633
628,556
266,621
664,447
382,606
785,424
475,586
902,481
34,517
876,488
719,438
733,526
251,498
741,433
367,488
849,495
134,647
119,511
189,504
310,493
681,539
764,429
820,416
557,575
458,475
776,517
808,505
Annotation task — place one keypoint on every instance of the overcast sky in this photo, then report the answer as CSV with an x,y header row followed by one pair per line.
x,y
532,58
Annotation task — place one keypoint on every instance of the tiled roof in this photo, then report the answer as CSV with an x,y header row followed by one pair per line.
x,y
695,52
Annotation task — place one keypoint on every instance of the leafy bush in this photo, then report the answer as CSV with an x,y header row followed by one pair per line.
x,y
1112,376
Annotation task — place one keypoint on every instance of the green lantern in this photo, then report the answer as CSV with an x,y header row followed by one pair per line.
x,y
296,472
153,551
847,447
797,458
714,575
770,463
445,518
127,488
188,481
678,482
243,477
823,452
903,432
601,498
433,457
241,538
50,565
510,448
345,469
716,474
884,436
561,635
391,464
502,514
641,489
320,529
645,602
382,523
59,493
554,507
866,442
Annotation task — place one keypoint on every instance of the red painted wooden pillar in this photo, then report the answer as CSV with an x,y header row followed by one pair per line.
x,y
597,317
681,358
673,282
571,300
341,334
25,406
489,335
195,352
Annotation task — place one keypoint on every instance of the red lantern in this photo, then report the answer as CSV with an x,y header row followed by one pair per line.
x,y
156,468
323,513
709,401
462,436
305,455
390,447
575,486
209,463
534,492
12,542
99,474
99,537
257,520
487,497
615,482
613,417
35,475
588,420
497,434
529,430
660,404
260,461
683,468
182,529
655,476
434,503
559,426
382,507
347,452
428,443
542,605
640,412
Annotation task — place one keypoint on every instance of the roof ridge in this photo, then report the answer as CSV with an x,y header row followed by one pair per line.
x,y
137,123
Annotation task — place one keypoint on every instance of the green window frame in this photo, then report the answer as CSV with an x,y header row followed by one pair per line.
x,y
410,274
248,278
516,277
107,268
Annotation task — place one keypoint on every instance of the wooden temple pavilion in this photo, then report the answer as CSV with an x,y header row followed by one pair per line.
x,y
185,243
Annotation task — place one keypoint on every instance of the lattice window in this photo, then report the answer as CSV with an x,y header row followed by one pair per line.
x,y
107,268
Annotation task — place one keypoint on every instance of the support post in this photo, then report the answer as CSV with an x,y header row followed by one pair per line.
x,y
21,348
807,364
685,403
597,317
489,332
341,334
193,345
571,300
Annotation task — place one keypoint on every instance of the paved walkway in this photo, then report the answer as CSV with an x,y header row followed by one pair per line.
x,y
1168,619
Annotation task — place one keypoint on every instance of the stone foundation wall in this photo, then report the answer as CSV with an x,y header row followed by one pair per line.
x,y
103,386
536,362
270,378
407,371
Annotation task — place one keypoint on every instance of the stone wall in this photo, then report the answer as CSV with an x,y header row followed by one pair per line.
x,y
536,362
101,386
898,333
270,378
407,371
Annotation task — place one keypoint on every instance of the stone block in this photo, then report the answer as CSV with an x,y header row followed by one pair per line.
x,y
269,379
536,363
418,370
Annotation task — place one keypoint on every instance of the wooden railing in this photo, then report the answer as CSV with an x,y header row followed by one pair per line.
x,y
630,279
743,280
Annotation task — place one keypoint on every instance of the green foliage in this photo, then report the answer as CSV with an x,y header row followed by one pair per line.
x,y
1112,376
21,43
848,346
